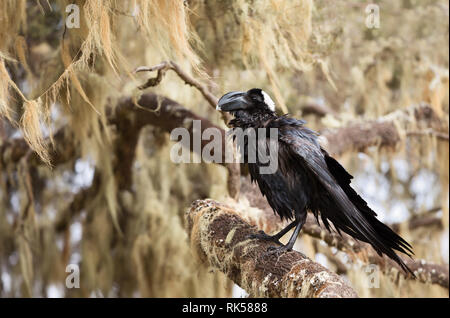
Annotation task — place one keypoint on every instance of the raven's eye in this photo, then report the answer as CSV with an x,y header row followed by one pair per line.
x,y
255,98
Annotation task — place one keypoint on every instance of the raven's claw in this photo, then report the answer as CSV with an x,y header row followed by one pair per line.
x,y
264,237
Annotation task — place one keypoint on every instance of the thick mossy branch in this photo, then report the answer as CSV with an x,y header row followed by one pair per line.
x,y
219,237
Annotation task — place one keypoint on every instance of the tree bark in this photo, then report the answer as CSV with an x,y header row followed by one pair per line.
x,y
219,237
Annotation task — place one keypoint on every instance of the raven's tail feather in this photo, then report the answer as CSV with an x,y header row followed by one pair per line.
x,y
369,229
358,220
385,241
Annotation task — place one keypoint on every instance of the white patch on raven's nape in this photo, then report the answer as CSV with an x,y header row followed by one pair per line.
x,y
268,101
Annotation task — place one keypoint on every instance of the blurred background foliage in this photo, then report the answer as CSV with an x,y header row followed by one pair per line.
x,y
302,52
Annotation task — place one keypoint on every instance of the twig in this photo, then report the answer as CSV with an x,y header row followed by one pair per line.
x,y
164,66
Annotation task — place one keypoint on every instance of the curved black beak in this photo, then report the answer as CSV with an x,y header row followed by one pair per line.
x,y
232,101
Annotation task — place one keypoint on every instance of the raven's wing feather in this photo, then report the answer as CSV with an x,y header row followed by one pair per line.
x,y
344,179
341,204
275,188
284,193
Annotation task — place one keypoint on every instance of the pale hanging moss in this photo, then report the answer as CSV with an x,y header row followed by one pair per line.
x,y
31,128
166,24
4,90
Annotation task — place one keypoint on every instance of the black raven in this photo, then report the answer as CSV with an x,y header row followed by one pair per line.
x,y
307,178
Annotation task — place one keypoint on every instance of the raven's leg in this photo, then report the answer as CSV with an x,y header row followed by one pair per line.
x,y
294,236
300,219
276,237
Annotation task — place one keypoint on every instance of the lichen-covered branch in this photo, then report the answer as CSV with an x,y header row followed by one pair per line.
x,y
219,237
387,131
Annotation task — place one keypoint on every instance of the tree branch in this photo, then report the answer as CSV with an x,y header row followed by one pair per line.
x,y
188,79
419,221
218,236
426,272
11,151
78,203
386,131
429,132
317,109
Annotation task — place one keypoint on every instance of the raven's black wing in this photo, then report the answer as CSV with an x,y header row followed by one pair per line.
x,y
340,204
285,192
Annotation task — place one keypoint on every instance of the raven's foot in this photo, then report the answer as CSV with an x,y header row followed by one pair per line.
x,y
264,237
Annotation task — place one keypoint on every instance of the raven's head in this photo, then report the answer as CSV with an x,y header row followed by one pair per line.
x,y
254,100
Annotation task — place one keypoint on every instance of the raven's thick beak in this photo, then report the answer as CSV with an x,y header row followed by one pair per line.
x,y
232,101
